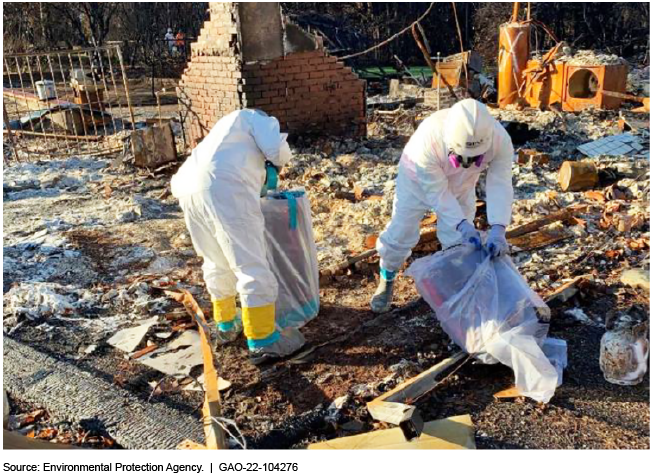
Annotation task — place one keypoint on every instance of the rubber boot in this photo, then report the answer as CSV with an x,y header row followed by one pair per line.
x,y
227,320
265,343
227,332
383,298
284,344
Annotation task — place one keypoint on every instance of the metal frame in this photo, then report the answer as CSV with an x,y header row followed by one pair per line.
x,y
102,108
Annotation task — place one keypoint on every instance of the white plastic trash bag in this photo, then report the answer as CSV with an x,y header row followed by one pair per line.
x,y
291,253
556,352
487,308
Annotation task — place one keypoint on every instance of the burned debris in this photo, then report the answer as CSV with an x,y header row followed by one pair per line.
x,y
101,274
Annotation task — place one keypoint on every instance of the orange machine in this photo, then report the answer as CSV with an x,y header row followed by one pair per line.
x,y
574,87
551,81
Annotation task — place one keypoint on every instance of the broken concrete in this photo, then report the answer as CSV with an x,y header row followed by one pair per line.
x,y
180,363
128,340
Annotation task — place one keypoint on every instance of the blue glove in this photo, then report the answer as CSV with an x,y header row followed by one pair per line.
x,y
469,233
496,241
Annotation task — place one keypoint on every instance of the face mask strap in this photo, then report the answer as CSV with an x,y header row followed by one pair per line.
x,y
454,160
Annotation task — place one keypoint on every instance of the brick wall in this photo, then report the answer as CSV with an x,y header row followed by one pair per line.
x,y
308,91
209,87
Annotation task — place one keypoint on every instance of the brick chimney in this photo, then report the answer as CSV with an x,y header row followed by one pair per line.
x,y
249,56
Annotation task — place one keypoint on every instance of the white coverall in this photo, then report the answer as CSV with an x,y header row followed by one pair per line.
x,y
218,188
427,181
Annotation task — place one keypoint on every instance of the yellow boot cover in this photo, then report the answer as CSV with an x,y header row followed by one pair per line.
x,y
224,311
259,322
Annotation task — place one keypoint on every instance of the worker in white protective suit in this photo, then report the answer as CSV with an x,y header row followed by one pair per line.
x,y
218,188
438,171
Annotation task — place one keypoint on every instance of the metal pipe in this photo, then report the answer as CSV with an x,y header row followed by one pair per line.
x,y
31,77
117,95
99,101
92,116
47,99
128,96
515,12
17,109
12,140
101,66
65,85
57,136
81,113
126,86
66,52
56,93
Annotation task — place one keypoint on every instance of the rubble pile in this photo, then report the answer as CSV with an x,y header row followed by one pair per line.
x,y
90,245
583,58
76,238
638,81
349,192
593,58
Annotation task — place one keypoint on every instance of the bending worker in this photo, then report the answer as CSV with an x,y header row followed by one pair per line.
x,y
219,188
438,171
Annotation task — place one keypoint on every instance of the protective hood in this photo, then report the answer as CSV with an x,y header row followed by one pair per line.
x,y
469,128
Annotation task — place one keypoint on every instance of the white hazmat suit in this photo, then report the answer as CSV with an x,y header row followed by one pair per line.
x,y
427,180
218,188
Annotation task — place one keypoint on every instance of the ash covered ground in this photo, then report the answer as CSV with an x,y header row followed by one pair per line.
x,y
90,246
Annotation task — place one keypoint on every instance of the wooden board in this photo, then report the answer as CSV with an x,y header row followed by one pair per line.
x,y
566,291
547,220
451,433
538,239
512,392
421,383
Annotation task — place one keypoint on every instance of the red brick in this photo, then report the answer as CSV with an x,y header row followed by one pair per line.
x,y
293,70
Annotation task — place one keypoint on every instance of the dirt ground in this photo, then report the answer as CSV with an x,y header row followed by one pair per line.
x,y
109,236
586,412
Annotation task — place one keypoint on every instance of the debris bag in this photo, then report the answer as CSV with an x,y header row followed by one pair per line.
x,y
291,252
487,308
